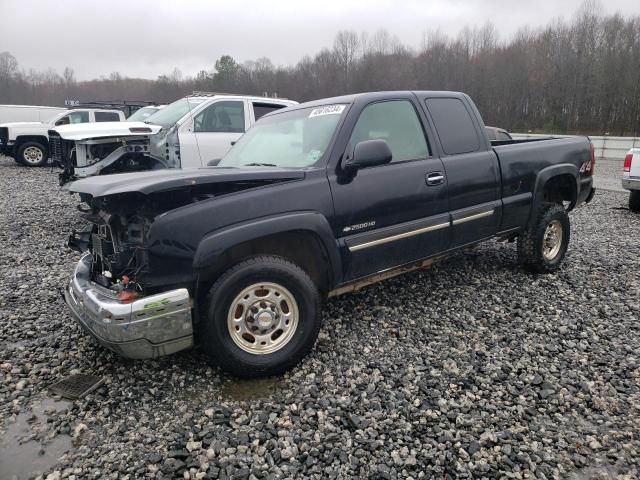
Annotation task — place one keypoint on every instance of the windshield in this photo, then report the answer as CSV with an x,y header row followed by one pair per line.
x,y
294,139
169,115
142,114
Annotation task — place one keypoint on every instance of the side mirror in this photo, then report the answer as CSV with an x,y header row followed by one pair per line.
x,y
369,153
214,162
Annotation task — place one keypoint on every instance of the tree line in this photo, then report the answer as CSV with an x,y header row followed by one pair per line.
x,y
571,76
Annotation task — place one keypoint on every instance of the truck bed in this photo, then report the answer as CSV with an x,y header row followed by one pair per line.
x,y
521,162
497,143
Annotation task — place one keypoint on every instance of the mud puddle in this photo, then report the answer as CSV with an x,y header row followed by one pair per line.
x,y
247,390
22,455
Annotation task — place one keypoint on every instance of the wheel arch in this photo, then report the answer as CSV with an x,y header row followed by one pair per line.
x,y
556,184
279,236
31,138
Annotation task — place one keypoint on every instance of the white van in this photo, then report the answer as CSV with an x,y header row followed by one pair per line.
x,y
28,113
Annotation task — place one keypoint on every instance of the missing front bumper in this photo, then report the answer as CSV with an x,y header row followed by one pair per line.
x,y
151,327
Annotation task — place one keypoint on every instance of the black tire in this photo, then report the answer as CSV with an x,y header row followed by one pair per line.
x,y
531,242
27,154
634,201
215,337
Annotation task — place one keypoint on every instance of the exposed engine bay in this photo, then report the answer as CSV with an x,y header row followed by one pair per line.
x,y
118,237
85,157
116,241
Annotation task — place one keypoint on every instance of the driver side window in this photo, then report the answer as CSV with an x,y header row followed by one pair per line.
x,y
79,117
74,117
223,117
396,122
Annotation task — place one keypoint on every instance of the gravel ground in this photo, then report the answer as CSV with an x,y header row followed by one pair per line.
x,y
608,174
470,369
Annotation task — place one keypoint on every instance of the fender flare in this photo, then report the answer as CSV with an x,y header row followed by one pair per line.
x,y
20,139
547,174
216,243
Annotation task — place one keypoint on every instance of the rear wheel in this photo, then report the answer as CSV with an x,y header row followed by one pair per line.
x,y
32,154
263,316
543,245
634,201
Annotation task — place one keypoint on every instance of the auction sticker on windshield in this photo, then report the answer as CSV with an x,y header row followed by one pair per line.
x,y
328,110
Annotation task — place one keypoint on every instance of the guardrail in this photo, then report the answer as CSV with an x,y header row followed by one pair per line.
x,y
608,147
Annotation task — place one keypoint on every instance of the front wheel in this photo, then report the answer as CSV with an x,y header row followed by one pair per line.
x,y
263,316
32,154
634,201
543,245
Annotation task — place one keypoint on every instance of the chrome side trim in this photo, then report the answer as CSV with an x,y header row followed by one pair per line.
x,y
475,216
399,236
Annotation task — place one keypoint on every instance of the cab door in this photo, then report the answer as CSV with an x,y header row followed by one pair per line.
x,y
472,170
396,213
212,131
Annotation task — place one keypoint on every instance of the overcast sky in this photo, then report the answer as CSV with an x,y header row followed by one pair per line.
x,y
145,38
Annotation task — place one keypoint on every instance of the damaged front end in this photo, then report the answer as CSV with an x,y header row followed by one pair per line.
x,y
116,243
133,288
87,150
109,293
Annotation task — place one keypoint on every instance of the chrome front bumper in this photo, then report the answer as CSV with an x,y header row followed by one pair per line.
x,y
151,327
631,183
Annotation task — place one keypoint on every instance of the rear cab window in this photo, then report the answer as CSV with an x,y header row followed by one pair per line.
x,y
454,125
260,109
106,116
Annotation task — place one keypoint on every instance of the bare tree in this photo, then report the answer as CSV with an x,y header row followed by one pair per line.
x,y
345,48
575,76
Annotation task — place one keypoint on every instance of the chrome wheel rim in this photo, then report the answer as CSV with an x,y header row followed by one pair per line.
x,y
32,155
552,241
262,318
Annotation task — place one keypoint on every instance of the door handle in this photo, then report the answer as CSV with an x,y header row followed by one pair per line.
x,y
434,178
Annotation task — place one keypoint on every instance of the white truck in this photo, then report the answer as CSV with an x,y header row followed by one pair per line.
x,y
190,132
28,113
28,142
631,178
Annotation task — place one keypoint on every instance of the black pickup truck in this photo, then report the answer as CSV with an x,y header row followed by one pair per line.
x,y
314,201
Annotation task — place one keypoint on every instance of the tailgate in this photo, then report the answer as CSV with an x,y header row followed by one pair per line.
x,y
635,163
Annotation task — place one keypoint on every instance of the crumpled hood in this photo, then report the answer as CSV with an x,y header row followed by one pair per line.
x,y
171,179
85,131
